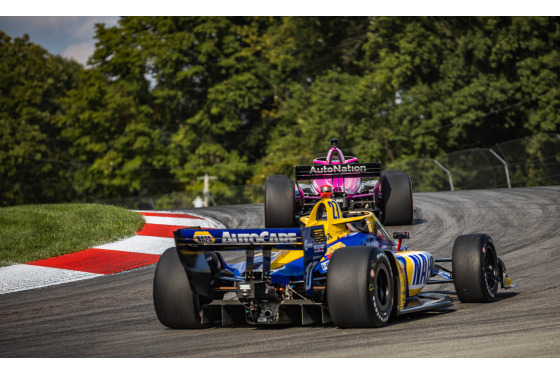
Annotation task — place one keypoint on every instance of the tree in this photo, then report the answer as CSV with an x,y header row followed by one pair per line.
x,y
32,162
166,100
457,83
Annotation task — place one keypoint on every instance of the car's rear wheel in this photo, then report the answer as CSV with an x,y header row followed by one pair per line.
x,y
279,202
475,268
391,171
360,287
396,199
177,305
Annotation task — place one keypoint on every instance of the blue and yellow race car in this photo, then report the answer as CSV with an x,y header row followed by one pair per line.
x,y
339,267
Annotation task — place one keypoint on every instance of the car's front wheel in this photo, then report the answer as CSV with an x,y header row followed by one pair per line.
x,y
475,268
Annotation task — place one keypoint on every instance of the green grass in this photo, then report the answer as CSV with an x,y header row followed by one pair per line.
x,y
34,232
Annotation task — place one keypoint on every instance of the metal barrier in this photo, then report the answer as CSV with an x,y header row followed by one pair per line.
x,y
525,162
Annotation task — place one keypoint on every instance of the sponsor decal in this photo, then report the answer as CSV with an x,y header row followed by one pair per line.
x,y
418,267
263,237
203,237
325,265
334,247
337,169
318,248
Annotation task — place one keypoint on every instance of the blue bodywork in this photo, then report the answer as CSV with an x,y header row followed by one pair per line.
x,y
293,271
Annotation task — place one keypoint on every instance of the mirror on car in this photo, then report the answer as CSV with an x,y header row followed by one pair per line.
x,y
401,235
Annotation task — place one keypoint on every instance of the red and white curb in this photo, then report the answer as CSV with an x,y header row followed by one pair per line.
x,y
143,249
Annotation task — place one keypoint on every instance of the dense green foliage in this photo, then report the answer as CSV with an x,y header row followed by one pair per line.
x,y
32,84
34,232
166,99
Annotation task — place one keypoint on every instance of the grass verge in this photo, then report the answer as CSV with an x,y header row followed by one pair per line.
x,y
34,232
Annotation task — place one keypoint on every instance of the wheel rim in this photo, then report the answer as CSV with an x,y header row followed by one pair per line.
x,y
490,269
382,289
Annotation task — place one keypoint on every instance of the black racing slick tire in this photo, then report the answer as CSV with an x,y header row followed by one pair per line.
x,y
279,202
360,287
391,171
475,268
277,176
396,199
177,305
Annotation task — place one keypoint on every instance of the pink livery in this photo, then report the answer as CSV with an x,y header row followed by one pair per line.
x,y
339,185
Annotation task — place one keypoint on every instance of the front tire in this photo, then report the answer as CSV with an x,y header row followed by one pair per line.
x,y
360,287
177,305
475,268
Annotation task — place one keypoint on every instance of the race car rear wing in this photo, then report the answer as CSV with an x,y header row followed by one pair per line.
x,y
352,170
193,242
234,238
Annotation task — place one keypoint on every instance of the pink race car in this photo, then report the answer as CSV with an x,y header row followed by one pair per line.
x,y
355,187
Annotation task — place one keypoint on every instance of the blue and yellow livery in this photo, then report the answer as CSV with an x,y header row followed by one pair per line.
x,y
335,266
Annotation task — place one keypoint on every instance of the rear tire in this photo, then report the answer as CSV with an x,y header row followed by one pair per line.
x,y
391,171
360,287
279,202
177,305
475,268
396,199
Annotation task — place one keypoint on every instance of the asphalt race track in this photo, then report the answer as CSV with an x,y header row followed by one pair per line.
x,y
113,316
